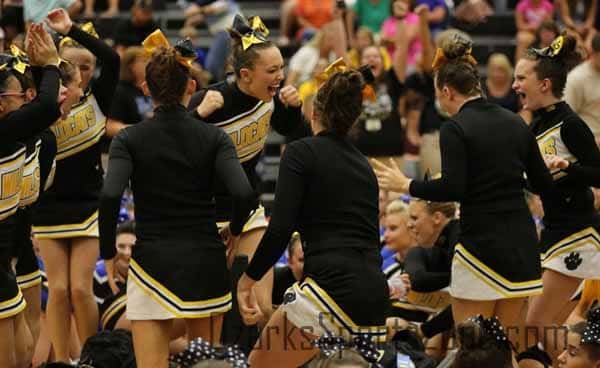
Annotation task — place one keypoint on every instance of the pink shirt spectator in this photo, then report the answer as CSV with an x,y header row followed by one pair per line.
x,y
388,30
535,14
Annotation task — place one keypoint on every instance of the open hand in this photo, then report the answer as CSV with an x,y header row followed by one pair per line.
x,y
391,178
59,21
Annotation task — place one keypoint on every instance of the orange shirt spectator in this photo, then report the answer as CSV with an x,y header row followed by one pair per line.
x,y
314,13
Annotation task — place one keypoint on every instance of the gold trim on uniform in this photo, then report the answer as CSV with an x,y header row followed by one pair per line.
x,y
326,305
577,255
29,280
117,305
30,187
11,179
83,128
50,178
473,280
551,143
88,228
257,220
171,302
13,306
249,130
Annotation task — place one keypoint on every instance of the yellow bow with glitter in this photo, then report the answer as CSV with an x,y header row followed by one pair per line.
x,y
21,60
337,66
252,32
87,28
157,40
552,50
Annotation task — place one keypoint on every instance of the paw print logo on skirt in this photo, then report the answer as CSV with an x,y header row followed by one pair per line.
x,y
573,261
289,297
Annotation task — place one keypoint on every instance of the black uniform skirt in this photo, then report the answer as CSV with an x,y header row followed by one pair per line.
x,y
28,271
574,253
344,293
171,278
11,298
112,309
497,257
59,218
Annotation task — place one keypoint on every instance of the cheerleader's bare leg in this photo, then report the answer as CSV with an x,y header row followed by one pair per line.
x,y
7,342
282,344
33,312
151,342
209,328
23,341
84,254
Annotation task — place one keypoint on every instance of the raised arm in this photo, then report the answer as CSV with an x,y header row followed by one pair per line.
x,y
580,141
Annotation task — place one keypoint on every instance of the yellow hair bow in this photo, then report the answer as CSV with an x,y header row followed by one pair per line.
x,y
21,60
252,32
337,66
87,28
552,50
440,59
157,40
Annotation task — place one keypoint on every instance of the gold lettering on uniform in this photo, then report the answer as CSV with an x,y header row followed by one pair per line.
x,y
75,124
11,183
234,138
31,184
548,147
248,134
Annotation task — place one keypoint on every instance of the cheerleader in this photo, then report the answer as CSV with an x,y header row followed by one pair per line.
x,y
178,268
570,242
20,122
485,152
246,109
66,221
343,291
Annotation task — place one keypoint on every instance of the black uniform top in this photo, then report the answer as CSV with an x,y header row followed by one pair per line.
x,y
429,268
247,120
79,172
561,132
172,160
283,278
328,192
130,105
16,127
485,150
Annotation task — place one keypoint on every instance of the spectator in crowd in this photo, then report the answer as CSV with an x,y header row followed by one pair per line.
x,y
130,105
287,21
370,13
113,8
132,31
497,86
36,10
579,16
529,15
218,15
364,38
582,92
437,16
403,11
312,15
545,34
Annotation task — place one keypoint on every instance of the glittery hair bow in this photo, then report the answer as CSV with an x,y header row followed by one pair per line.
x,y
340,66
252,32
21,61
440,59
87,28
591,333
492,328
329,345
199,350
185,50
552,50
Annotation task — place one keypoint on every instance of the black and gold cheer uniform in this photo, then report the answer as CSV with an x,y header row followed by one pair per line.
x,y
570,241
333,203
19,126
247,121
485,152
178,264
70,208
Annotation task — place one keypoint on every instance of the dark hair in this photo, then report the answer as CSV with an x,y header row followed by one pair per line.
x,y
339,101
26,79
166,77
479,349
459,71
447,209
555,68
241,58
596,43
109,349
68,71
127,227
591,348
7,71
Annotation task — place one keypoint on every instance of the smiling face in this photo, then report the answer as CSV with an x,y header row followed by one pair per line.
x,y
264,79
372,56
397,236
84,60
528,86
422,224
